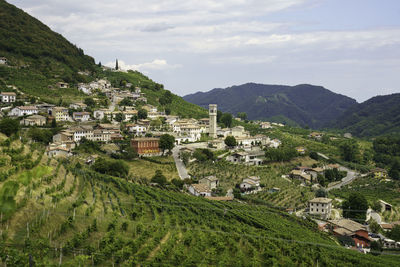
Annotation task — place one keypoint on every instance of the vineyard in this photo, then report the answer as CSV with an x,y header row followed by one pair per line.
x,y
291,195
62,212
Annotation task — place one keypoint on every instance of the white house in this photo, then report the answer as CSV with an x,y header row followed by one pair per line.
x,y
81,116
191,130
78,105
252,183
8,97
86,89
248,158
137,129
58,152
101,113
23,110
211,181
200,190
275,143
321,207
33,120
3,60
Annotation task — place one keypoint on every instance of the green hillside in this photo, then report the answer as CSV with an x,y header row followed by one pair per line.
x,y
38,58
51,208
304,104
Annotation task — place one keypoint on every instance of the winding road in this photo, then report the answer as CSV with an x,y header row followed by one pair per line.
x,y
182,171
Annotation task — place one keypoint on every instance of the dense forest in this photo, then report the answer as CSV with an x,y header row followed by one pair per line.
x,y
376,116
304,105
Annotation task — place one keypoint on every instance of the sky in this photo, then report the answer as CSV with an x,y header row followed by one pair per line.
x,y
351,47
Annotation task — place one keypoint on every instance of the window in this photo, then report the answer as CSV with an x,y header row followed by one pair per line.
x,y
322,210
312,209
317,210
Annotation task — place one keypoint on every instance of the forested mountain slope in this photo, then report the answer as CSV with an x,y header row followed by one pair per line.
x,y
376,116
304,105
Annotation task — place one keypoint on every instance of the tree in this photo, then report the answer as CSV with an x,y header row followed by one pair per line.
x,y
350,151
374,227
126,102
376,248
395,233
167,142
178,183
142,114
314,155
159,178
9,126
44,136
226,119
119,117
321,193
230,141
90,102
166,98
355,207
116,64
185,156
242,115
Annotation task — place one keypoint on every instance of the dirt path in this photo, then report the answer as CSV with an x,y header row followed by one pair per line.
x,y
156,249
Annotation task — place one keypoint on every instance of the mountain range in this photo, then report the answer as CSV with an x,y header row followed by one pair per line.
x,y
302,105
376,116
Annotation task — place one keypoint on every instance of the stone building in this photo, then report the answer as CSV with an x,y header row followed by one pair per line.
x,y
212,108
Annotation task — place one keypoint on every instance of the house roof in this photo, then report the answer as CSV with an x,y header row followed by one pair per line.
x,y
320,200
386,226
146,139
36,117
8,93
201,188
211,178
348,224
27,107
317,169
240,153
81,113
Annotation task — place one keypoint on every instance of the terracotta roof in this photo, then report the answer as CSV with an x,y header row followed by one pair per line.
x,y
27,107
201,188
386,226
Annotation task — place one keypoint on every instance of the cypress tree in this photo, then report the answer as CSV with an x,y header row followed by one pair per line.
x,y
116,64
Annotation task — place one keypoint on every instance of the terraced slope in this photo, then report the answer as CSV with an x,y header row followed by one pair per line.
x,y
68,212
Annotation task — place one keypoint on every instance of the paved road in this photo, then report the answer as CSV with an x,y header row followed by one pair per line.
x,y
322,155
351,175
374,215
183,174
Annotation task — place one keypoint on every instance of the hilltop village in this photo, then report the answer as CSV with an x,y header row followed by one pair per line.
x,y
122,122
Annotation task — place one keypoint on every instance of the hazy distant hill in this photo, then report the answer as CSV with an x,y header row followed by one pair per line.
x,y
376,116
302,104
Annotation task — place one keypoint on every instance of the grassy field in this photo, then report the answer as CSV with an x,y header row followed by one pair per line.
x,y
145,169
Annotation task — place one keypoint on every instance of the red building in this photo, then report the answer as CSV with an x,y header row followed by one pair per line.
x,y
146,146
346,227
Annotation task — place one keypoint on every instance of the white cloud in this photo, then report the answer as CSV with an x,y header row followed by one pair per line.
x,y
211,38
156,64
